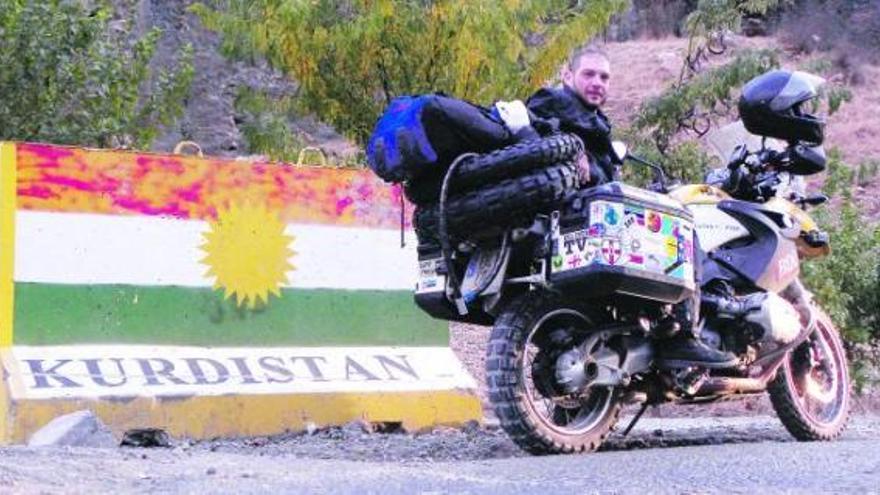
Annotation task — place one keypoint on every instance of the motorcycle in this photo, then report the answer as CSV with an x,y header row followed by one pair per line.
x,y
579,297
585,287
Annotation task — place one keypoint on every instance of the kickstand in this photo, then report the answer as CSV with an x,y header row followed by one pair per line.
x,y
635,419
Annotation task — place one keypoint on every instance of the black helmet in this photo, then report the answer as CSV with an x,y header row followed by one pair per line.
x,y
771,103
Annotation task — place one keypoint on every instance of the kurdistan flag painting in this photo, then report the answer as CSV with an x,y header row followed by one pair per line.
x,y
136,248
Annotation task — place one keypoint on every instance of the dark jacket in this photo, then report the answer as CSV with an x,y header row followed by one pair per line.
x,y
563,110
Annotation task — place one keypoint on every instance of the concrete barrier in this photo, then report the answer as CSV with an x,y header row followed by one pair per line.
x,y
211,297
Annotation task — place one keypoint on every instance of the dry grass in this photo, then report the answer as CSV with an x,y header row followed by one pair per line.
x,y
643,68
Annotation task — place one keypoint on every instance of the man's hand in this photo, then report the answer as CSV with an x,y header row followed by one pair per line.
x,y
582,163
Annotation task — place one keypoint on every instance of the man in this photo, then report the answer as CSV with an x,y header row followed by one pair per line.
x,y
576,108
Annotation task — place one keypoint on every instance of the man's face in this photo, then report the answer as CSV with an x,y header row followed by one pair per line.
x,y
590,78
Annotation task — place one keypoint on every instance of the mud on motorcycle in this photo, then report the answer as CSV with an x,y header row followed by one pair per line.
x,y
579,294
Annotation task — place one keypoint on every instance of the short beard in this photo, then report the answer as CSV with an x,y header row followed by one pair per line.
x,y
596,105
583,99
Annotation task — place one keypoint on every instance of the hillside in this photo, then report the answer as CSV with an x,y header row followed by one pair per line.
x,y
641,69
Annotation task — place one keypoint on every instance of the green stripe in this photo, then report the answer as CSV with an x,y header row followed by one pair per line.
x,y
53,314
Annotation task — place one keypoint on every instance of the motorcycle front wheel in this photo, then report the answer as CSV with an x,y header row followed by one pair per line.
x,y
811,391
527,339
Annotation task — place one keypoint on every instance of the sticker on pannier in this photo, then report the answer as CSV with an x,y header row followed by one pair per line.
x,y
629,236
430,278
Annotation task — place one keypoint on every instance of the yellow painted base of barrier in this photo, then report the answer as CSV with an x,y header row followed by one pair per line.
x,y
200,392
251,415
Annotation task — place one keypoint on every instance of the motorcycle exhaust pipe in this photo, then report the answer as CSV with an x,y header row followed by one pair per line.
x,y
727,385
724,385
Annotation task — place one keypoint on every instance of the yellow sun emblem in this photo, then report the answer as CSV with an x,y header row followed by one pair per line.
x,y
248,253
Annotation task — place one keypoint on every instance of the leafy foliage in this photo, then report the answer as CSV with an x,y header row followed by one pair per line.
x,y
848,282
68,77
351,57
265,125
703,95
695,104
685,162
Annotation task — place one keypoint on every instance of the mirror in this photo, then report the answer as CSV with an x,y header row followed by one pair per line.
x,y
816,199
806,160
737,156
619,149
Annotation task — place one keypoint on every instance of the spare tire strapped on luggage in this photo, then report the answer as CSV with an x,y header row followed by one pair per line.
x,y
499,164
511,202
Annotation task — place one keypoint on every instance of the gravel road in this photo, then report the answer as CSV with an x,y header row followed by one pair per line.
x,y
663,455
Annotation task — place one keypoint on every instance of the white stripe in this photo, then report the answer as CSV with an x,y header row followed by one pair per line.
x,y
73,248
46,372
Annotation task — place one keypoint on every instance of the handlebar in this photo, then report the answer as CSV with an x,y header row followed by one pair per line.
x,y
755,176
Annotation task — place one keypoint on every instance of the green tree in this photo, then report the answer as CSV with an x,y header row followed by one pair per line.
x,y
704,94
351,57
847,283
67,76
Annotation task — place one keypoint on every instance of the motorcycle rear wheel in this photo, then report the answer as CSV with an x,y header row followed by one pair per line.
x,y
811,391
518,382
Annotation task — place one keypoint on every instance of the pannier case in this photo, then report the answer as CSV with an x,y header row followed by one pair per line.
x,y
618,239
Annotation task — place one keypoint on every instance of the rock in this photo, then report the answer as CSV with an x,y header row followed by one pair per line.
x,y
146,437
388,427
78,429
491,424
311,428
754,26
211,471
471,427
445,430
210,115
357,427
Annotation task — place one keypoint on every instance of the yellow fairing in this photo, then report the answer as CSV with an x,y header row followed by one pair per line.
x,y
698,194
807,225
705,194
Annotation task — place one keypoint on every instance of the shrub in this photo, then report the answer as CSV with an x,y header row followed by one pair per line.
x,y
847,283
264,125
68,76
